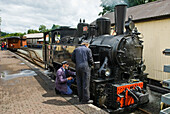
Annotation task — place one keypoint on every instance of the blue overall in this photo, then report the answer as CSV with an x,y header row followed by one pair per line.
x,y
82,57
69,91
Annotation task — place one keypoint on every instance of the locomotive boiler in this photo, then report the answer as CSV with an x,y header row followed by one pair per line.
x,y
117,75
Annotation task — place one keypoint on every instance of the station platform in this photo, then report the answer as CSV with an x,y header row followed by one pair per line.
x,y
25,89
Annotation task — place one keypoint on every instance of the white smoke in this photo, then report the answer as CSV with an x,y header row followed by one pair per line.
x,y
113,3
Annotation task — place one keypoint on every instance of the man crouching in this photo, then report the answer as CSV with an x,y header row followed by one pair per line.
x,y
63,82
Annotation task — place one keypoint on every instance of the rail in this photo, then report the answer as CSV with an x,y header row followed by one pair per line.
x,y
31,56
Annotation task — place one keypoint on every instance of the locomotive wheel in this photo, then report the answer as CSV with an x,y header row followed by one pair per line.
x,y
101,97
102,100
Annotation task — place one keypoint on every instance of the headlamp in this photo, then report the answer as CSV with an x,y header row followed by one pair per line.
x,y
107,72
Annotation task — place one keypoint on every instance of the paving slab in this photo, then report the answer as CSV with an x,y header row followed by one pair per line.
x,y
34,94
28,94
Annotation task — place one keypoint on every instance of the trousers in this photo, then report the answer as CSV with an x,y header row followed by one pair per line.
x,y
83,83
69,91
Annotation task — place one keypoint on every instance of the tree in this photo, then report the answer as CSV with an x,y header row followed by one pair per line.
x,y
32,31
42,28
106,9
4,34
108,5
55,26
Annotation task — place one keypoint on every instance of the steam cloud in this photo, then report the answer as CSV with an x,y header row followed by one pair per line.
x,y
113,3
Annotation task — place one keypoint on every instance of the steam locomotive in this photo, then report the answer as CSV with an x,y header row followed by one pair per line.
x,y
118,72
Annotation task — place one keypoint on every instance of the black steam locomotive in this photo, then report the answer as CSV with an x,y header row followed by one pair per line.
x,y
116,78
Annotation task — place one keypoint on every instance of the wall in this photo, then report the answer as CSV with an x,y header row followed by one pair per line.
x,y
24,42
156,39
31,41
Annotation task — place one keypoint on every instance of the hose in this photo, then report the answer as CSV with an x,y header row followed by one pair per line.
x,y
133,95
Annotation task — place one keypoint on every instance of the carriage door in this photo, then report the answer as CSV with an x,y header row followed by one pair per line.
x,y
55,46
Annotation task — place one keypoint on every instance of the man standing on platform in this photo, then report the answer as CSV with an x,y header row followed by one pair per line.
x,y
5,46
63,82
2,46
82,57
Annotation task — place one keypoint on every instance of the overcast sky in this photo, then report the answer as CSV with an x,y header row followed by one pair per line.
x,y
21,15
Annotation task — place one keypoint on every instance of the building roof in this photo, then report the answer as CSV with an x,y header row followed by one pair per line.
x,y
11,37
151,10
34,36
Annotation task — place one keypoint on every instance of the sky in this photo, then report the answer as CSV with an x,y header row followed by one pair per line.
x,y
21,15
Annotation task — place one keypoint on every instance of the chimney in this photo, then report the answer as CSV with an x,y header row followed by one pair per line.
x,y
120,16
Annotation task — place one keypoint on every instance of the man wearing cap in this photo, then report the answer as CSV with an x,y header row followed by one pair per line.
x,y
82,57
63,82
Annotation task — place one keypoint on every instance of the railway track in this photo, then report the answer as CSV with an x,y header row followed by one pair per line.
x,y
31,56
144,111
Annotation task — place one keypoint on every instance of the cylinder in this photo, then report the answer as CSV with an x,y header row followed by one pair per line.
x,y
103,26
120,15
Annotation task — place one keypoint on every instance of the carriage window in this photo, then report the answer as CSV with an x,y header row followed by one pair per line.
x,y
48,38
57,37
15,40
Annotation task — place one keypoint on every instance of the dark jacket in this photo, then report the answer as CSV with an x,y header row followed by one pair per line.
x,y
61,79
82,56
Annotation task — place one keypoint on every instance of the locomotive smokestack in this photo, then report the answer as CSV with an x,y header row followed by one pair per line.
x,y
120,15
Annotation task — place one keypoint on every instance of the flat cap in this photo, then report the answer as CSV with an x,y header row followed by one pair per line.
x,y
64,62
84,42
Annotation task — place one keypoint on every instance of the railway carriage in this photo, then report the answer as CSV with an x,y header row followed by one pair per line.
x,y
14,42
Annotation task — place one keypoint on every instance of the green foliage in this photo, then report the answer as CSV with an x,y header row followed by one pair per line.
x,y
106,9
42,28
32,31
137,2
55,26
4,34
109,6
